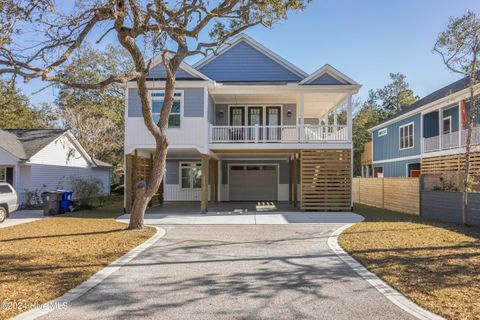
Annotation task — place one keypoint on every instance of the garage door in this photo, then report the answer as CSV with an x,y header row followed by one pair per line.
x,y
253,183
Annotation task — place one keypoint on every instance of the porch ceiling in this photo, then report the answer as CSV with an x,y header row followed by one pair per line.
x,y
316,104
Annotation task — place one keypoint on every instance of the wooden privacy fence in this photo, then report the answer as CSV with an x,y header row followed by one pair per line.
x,y
396,194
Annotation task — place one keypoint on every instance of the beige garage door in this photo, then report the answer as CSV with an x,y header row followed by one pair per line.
x,y
253,183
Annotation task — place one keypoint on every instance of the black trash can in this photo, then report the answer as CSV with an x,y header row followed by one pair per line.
x,y
51,202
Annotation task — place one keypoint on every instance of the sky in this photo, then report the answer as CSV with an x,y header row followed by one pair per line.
x,y
365,39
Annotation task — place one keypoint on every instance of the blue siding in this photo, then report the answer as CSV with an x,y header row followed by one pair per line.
x,y
193,102
158,72
430,124
388,146
326,79
395,169
243,62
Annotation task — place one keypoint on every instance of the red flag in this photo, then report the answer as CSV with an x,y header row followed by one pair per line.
x,y
463,110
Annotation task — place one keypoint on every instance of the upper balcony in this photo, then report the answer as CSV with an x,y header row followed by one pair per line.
x,y
285,134
450,140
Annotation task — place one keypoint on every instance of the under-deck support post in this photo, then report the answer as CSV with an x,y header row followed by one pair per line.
x,y
349,118
204,199
290,179
295,181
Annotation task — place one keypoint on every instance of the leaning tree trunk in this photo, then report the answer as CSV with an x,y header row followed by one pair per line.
x,y
471,119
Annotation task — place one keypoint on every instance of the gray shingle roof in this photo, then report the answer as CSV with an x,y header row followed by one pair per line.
x,y
24,143
436,95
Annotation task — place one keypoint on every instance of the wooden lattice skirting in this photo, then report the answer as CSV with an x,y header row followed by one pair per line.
x,y
325,180
451,163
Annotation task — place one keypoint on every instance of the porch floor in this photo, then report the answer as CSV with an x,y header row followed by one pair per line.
x,y
189,207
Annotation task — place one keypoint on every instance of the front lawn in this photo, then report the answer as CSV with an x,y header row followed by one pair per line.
x,y
41,260
435,264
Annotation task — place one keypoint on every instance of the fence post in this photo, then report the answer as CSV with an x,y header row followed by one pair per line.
x,y
420,190
383,193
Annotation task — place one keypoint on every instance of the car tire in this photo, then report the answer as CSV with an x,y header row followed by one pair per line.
x,y
3,214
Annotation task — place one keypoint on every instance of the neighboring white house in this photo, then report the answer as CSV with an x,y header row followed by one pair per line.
x,y
259,127
46,159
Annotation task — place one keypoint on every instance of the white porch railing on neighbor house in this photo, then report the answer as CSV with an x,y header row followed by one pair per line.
x,y
278,134
450,140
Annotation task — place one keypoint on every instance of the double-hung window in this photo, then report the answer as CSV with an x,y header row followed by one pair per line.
x,y
406,136
175,112
3,174
191,173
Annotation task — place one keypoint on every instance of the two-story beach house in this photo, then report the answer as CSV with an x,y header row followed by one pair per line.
x,y
247,125
428,137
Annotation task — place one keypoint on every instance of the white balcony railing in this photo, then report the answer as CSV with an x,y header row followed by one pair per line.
x,y
278,134
450,140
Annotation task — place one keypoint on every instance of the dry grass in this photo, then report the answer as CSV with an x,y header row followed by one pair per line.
x,y
41,260
435,264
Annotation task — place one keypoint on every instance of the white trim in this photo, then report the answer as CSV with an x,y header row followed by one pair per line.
x,y
397,159
178,84
383,133
243,37
92,282
272,146
406,167
192,164
328,69
182,104
388,292
443,124
400,136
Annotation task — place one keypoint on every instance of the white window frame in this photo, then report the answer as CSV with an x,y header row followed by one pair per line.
x,y
400,136
191,164
382,132
443,124
4,169
181,98
373,171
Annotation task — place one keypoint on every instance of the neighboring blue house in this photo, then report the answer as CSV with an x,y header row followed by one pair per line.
x,y
432,128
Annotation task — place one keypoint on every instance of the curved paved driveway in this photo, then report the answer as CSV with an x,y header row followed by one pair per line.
x,y
236,272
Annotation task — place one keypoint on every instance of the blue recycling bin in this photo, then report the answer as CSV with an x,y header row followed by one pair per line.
x,y
66,200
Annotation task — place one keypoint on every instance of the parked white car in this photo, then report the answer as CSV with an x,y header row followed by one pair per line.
x,y
8,200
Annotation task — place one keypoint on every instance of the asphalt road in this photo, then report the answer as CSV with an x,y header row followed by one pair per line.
x,y
235,272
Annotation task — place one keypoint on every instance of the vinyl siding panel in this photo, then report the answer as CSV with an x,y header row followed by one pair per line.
x,y
396,169
158,72
51,177
60,152
430,124
244,63
325,79
289,121
193,102
388,146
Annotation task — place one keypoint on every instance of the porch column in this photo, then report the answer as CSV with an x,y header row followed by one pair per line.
x,y
460,128
290,179
302,117
349,118
204,201
335,115
440,128
295,180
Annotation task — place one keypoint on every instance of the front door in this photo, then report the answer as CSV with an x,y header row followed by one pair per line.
x,y
273,123
237,119
255,118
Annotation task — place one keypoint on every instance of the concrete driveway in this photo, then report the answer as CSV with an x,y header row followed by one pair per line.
x,y
247,271
22,216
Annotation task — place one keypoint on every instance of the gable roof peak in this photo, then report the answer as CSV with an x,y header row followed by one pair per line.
x,y
242,37
328,69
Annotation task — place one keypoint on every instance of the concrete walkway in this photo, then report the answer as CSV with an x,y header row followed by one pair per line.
x,y
22,216
249,218
242,271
